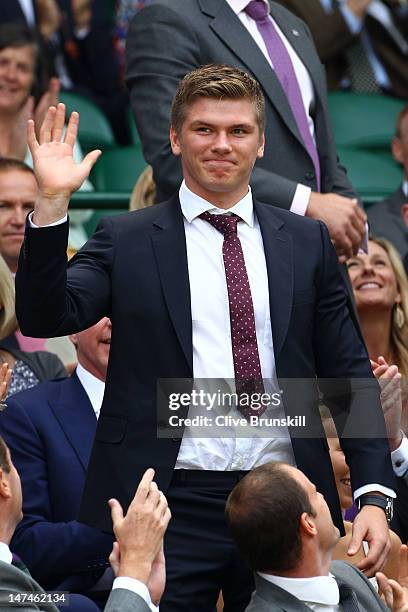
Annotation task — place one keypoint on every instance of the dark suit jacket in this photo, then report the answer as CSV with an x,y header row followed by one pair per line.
x,y
169,38
13,581
50,430
267,594
385,220
332,37
149,305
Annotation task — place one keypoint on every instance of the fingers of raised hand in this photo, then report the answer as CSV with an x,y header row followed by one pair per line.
x,y
47,126
72,129
59,121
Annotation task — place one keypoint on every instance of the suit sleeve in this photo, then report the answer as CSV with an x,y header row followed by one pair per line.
x,y
122,600
349,388
161,48
51,550
56,299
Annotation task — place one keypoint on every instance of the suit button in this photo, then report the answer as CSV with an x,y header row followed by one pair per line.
x,y
175,439
310,176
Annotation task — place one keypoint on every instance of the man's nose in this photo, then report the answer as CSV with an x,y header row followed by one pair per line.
x,y
19,216
222,143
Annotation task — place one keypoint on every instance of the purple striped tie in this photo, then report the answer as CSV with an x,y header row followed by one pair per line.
x,y
258,11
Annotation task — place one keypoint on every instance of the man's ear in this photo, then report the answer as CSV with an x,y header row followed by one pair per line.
x,y
174,141
261,148
5,492
404,214
307,524
397,150
73,338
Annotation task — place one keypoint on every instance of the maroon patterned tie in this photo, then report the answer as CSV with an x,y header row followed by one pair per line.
x,y
247,366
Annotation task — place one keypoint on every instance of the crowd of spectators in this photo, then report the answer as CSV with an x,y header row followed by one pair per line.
x,y
56,386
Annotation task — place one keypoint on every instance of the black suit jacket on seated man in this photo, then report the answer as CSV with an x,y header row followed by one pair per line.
x,y
134,270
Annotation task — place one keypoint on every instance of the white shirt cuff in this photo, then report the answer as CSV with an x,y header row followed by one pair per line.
x,y
59,222
136,586
300,200
399,458
370,488
354,24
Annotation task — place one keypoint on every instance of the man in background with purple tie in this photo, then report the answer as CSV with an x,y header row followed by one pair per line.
x,y
211,285
300,170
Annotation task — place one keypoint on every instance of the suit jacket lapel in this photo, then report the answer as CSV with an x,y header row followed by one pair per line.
x,y
75,414
279,263
304,48
235,36
169,245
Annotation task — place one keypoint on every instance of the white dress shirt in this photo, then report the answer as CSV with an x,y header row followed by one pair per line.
x,y
93,387
5,553
320,593
302,193
405,188
212,345
28,10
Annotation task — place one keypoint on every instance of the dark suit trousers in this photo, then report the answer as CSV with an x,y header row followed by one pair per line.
x,y
201,557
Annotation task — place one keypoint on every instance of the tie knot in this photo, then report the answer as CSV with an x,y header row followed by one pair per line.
x,y
257,10
226,224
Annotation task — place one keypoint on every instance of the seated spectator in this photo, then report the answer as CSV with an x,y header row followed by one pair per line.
x,y
389,219
362,43
50,431
380,290
26,91
284,530
343,483
78,36
29,368
137,556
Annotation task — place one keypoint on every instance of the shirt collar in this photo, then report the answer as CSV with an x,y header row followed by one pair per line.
x,y
5,553
405,188
94,388
319,589
238,5
192,206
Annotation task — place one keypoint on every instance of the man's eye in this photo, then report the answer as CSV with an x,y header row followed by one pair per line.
x,y
206,130
239,131
352,264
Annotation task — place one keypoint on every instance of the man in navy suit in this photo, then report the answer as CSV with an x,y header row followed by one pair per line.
x,y
50,431
164,278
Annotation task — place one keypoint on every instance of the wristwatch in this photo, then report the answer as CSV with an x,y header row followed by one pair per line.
x,y
382,501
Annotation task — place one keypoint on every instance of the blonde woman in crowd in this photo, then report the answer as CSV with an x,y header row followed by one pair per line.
x,y
28,368
381,293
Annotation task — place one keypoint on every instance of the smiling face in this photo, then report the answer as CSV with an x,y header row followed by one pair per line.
x,y
16,77
373,279
93,346
219,142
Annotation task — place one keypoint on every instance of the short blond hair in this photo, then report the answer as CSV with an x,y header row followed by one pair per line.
x,y
219,82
